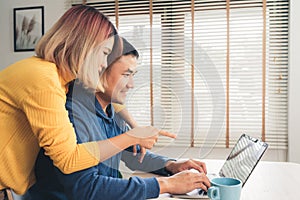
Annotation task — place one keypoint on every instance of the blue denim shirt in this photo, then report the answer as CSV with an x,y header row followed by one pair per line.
x,y
102,181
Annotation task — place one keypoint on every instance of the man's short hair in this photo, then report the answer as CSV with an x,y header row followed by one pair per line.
x,y
128,49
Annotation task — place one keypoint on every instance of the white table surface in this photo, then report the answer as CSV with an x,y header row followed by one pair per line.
x,y
268,181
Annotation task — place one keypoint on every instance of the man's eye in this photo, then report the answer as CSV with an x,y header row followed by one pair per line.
x,y
126,75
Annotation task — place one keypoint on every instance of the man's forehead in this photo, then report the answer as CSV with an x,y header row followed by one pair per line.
x,y
127,63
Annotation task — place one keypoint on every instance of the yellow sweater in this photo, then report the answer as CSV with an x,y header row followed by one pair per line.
x,y
33,115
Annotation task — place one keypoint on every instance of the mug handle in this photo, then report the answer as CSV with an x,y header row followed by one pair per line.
x,y
213,193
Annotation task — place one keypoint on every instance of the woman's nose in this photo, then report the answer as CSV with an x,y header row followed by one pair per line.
x,y
103,66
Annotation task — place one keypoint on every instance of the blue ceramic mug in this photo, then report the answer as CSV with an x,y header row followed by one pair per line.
x,y
225,189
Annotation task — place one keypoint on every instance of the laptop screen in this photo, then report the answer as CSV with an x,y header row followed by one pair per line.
x,y
243,158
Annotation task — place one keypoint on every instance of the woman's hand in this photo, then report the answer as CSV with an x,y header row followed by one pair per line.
x,y
147,136
143,150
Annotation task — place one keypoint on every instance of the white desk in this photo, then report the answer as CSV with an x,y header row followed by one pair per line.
x,y
269,180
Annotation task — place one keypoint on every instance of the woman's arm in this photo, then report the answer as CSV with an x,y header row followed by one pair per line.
x,y
49,121
128,118
146,137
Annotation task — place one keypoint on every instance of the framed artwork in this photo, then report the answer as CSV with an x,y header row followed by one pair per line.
x,y
28,27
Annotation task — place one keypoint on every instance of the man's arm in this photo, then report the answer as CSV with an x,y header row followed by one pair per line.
x,y
161,165
152,162
89,184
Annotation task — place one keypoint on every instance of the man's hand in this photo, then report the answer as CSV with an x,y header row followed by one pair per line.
x,y
178,166
183,182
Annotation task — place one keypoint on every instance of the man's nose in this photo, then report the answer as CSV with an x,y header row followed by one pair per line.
x,y
130,83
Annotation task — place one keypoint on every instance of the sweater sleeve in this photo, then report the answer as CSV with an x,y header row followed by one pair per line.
x,y
46,113
89,184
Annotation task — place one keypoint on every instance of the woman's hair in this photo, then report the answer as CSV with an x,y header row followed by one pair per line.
x,y
74,41
90,76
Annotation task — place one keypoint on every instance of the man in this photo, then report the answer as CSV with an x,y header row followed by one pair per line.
x,y
90,112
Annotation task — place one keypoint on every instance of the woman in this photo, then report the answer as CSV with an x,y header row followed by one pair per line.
x,y
33,96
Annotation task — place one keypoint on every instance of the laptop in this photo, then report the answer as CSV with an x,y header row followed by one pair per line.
x,y
240,163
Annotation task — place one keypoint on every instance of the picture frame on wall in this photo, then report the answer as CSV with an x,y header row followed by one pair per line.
x,y
28,27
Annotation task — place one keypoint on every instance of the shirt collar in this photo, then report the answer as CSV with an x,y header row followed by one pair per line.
x,y
110,112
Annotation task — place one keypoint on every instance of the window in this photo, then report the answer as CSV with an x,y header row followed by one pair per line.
x,y
209,70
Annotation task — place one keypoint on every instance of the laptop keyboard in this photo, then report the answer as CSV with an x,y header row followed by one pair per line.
x,y
202,192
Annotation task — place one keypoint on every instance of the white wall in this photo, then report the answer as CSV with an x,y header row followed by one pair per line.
x,y
294,83
53,9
